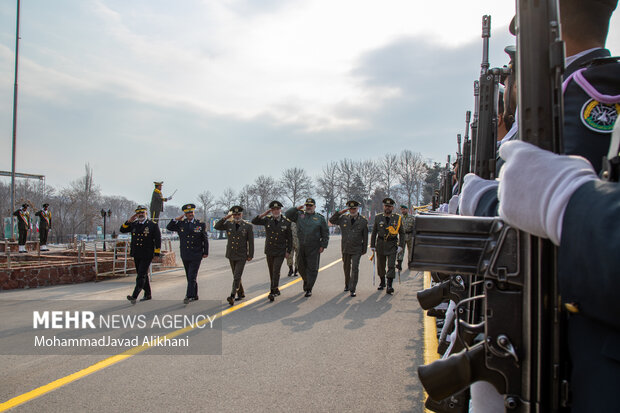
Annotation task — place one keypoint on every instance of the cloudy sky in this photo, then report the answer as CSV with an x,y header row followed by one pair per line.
x,y
209,94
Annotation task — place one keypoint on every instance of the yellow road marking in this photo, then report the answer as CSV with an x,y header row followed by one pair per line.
x,y
430,335
23,398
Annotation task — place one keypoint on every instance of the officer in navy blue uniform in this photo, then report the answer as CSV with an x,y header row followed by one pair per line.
x,y
278,242
239,248
194,247
145,243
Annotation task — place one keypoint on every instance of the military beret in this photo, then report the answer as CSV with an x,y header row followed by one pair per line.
x,y
158,182
310,201
404,206
389,201
188,208
46,205
275,204
140,208
353,204
236,209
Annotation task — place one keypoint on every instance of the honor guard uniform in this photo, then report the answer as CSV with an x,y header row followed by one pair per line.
x,y
45,225
408,222
278,242
145,243
239,249
354,244
194,246
23,225
387,240
157,201
313,237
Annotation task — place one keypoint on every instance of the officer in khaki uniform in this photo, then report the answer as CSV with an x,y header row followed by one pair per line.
x,y
239,249
278,242
23,225
194,245
387,240
313,236
408,221
354,244
45,226
157,201
145,243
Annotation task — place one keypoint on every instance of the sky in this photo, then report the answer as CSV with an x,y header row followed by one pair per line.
x,y
210,94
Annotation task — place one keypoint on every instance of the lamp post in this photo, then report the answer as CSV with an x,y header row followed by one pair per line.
x,y
105,214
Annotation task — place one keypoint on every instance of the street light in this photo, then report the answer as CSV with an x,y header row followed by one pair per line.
x,y
104,215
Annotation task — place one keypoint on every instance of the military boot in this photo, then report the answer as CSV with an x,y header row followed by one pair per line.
x,y
290,271
381,284
295,273
271,296
389,289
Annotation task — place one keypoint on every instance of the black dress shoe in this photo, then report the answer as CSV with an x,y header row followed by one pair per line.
x,y
290,271
276,291
240,297
186,300
308,293
146,298
381,287
389,290
270,296
131,299
295,273
346,289
231,300
193,299
353,294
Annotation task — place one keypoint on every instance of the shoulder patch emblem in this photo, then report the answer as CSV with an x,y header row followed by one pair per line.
x,y
599,117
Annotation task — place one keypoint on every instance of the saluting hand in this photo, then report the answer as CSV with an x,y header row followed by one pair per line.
x,y
345,210
180,217
133,218
301,207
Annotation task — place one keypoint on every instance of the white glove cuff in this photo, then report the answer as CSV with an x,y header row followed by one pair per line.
x,y
472,192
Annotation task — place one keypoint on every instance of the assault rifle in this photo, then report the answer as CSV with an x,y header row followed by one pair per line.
x,y
521,352
466,156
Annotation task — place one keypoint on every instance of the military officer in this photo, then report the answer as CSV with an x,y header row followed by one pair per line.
x,y
239,249
23,225
408,223
313,236
387,240
278,242
354,244
293,258
157,201
45,226
194,247
145,243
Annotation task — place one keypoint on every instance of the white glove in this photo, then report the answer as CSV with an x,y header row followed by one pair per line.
x,y
536,185
473,189
453,204
443,208
399,249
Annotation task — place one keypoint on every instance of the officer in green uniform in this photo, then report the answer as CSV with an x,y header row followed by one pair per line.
x,y
194,245
354,244
313,236
23,225
239,249
278,242
408,222
387,240
157,201
45,225
145,243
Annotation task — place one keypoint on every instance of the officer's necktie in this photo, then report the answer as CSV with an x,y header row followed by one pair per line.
x,y
237,227
352,221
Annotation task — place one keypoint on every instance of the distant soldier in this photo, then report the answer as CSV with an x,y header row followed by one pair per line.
x,y
194,246
157,201
278,242
23,225
387,240
45,226
239,249
145,243
293,258
313,236
354,230
408,223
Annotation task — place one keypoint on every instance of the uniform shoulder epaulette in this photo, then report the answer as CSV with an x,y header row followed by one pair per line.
x,y
321,215
380,214
286,219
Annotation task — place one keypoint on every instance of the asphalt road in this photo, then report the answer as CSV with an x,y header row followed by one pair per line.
x,y
326,353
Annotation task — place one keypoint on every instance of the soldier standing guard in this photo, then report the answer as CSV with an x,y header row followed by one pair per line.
x,y
157,201
194,246
354,244
313,236
278,242
45,225
239,249
408,222
387,240
145,243
23,224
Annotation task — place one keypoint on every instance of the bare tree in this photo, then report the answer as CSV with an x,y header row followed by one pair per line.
x,y
411,171
347,183
387,172
327,186
264,190
83,197
295,184
207,202
368,173
226,200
